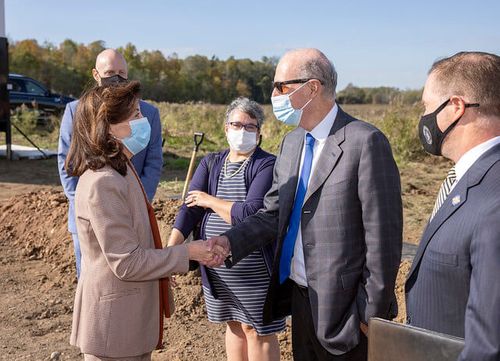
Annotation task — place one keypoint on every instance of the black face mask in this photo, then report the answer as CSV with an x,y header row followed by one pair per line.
x,y
430,135
115,79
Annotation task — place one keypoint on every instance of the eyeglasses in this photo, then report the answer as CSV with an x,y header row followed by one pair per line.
x,y
282,88
248,127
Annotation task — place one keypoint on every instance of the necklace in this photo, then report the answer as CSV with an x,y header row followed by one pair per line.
x,y
237,171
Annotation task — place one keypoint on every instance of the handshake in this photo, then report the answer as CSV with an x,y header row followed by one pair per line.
x,y
211,253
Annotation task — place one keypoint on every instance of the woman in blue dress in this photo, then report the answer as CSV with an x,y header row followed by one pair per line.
x,y
227,187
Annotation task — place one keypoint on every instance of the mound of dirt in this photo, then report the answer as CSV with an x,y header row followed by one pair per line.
x,y
36,224
33,233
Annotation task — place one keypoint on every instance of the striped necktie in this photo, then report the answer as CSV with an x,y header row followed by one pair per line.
x,y
445,189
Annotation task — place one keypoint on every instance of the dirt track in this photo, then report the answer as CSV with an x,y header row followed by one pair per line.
x,y
38,283
37,269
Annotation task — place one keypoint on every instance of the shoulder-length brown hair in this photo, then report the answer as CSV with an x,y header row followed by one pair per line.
x,y
92,146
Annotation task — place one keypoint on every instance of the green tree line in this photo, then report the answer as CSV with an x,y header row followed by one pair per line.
x,y
66,68
380,95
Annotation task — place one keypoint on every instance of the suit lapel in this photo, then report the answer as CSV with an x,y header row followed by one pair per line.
x,y
329,155
290,156
455,200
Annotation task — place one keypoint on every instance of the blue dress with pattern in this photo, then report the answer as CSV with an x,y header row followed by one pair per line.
x,y
241,290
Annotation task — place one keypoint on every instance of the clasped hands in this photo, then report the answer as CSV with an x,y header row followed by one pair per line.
x,y
210,253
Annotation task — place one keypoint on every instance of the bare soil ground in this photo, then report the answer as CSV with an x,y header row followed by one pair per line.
x,y
37,277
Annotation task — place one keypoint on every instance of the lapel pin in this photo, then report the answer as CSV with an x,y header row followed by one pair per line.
x,y
455,200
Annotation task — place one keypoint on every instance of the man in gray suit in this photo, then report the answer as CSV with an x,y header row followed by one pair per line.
x,y
335,210
453,285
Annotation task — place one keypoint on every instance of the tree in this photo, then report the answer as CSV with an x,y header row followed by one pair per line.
x,y
66,68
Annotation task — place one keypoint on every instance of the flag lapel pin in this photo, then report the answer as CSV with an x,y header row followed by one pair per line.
x,y
455,200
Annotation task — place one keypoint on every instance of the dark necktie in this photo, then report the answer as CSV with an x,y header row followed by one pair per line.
x,y
444,191
294,223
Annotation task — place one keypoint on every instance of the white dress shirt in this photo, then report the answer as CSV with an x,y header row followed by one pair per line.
x,y
320,134
469,158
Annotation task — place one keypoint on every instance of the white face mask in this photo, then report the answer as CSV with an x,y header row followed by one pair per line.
x,y
283,109
241,140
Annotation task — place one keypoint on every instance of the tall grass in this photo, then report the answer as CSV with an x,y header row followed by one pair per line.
x,y
42,129
400,125
25,119
180,121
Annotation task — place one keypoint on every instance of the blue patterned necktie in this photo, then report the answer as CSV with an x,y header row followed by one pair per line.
x,y
294,223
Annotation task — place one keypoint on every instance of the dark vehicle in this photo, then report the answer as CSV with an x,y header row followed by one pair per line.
x,y
25,90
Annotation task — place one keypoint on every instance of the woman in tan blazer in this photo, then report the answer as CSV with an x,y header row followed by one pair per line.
x,y
116,313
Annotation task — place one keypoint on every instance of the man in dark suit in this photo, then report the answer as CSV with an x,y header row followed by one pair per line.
x,y
334,209
110,67
454,286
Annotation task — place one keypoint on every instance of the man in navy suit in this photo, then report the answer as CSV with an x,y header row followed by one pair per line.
x,y
454,283
110,67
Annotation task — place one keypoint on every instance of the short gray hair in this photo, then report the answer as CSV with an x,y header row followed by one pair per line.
x,y
247,106
473,74
321,68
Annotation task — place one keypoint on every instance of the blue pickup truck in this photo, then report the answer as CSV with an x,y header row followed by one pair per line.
x,y
28,91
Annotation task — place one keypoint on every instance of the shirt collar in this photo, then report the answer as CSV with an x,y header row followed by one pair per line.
x,y
322,130
470,157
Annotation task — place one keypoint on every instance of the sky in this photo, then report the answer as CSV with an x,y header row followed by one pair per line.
x,y
371,43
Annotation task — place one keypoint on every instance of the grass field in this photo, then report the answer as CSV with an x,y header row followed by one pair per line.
x,y
180,121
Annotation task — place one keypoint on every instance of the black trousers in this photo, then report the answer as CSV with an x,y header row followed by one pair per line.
x,y
305,344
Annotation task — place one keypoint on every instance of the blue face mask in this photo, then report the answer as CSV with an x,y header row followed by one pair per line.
x,y
140,133
284,111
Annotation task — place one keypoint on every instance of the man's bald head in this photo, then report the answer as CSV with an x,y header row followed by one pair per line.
x,y
108,63
311,63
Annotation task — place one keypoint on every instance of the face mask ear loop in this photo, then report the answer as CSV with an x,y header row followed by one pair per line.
x,y
296,89
305,105
471,105
441,107
453,125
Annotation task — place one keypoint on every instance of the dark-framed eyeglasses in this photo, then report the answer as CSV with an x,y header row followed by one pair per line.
x,y
282,88
248,127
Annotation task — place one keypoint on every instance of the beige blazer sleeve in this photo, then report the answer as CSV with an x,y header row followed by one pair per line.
x,y
130,258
